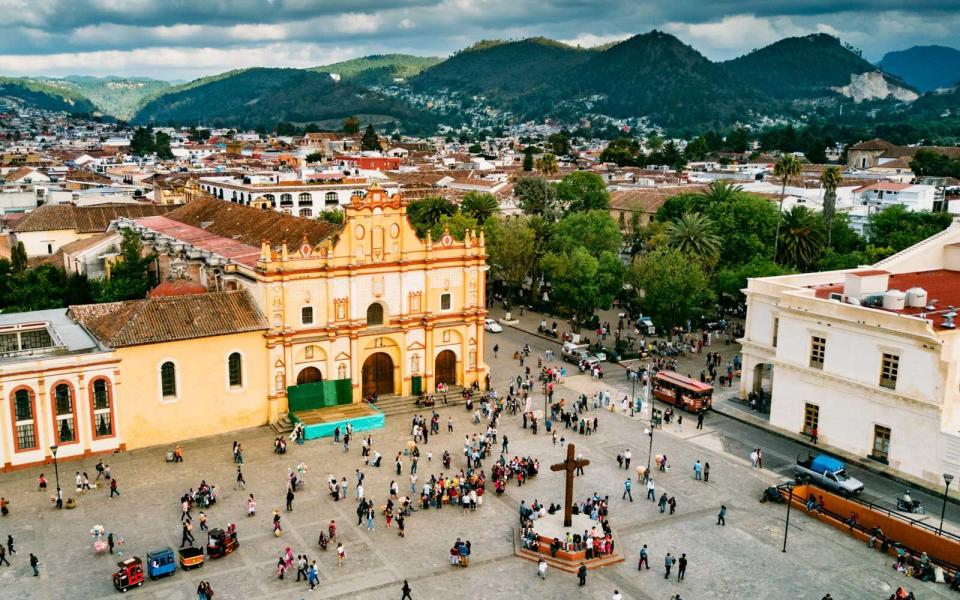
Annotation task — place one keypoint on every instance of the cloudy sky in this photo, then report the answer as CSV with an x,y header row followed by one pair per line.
x,y
184,39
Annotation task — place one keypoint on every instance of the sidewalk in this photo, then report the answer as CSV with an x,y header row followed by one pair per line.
x,y
726,404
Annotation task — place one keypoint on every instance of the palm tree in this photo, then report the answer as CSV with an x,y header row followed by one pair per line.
x,y
721,192
693,234
548,164
424,214
480,206
786,169
803,237
830,180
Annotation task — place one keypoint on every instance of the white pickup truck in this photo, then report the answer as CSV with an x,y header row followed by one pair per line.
x,y
828,473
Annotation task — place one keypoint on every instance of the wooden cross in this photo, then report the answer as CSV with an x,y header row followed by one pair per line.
x,y
570,465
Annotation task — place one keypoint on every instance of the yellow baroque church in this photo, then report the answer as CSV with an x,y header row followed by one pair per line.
x,y
254,307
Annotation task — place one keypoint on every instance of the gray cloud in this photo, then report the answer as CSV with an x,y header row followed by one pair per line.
x,y
158,37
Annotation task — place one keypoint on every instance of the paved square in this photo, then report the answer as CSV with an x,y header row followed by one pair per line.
x,y
741,559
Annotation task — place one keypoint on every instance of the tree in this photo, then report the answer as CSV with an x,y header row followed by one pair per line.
x,y
479,205
548,164
332,215
559,143
693,234
18,258
351,125
673,288
142,144
786,169
535,196
369,141
510,248
199,135
314,157
528,158
729,281
898,228
129,277
737,140
930,163
426,212
696,149
162,146
830,179
475,149
802,238
595,230
582,282
721,192
457,224
582,191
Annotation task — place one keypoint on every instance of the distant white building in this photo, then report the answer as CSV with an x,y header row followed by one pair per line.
x,y
869,199
868,357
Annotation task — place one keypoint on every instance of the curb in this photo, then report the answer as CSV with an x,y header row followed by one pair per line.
x,y
854,460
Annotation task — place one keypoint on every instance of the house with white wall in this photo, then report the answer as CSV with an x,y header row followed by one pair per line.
x,y
868,357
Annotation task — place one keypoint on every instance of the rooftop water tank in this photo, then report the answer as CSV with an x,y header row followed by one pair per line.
x,y
894,300
916,297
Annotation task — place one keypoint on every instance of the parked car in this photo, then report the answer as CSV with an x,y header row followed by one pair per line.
x,y
573,353
492,326
828,472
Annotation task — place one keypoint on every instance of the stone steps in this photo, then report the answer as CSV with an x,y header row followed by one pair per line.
x,y
565,565
399,405
283,426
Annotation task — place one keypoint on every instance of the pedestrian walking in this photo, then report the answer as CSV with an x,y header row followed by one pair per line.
x,y
672,502
35,565
10,548
679,423
542,568
202,518
697,470
706,472
722,516
668,561
663,502
700,419
3,556
753,458
185,509
582,575
644,559
113,487
682,567
187,537
341,554
651,490
178,454
627,455
313,575
290,496
814,434
99,469
202,591
406,591
616,595
241,483
759,458
503,446
110,542
496,348
626,489
276,524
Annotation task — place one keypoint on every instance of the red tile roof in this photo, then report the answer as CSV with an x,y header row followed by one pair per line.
x,y
182,287
83,219
227,247
168,319
941,285
886,186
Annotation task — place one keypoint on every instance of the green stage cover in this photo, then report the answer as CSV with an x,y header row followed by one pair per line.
x,y
321,394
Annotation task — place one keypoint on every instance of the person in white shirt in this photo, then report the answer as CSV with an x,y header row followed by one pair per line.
x,y
617,595
542,569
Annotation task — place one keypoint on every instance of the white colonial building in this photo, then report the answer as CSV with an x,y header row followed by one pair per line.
x,y
292,193
869,357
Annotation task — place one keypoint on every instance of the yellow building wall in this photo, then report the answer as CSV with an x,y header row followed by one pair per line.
x,y
205,403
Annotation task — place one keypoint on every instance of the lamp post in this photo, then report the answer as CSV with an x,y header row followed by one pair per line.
x,y
786,528
56,471
947,479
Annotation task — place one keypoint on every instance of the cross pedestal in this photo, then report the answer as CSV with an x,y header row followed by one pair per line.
x,y
570,465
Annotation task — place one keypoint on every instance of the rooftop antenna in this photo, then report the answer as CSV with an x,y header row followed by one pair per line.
x,y
948,320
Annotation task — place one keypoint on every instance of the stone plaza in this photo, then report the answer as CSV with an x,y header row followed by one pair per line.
x,y
741,559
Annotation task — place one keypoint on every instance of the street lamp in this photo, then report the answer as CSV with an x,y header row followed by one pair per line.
x,y
947,479
56,470
800,480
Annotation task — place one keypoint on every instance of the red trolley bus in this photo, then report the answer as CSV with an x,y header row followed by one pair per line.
x,y
681,391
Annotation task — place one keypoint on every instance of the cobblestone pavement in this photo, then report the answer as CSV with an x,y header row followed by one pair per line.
x,y
741,559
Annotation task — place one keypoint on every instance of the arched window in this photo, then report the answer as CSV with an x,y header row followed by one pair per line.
x,y
66,431
272,199
235,369
168,380
305,212
375,314
286,199
24,422
102,412
306,315
358,194
305,199
331,198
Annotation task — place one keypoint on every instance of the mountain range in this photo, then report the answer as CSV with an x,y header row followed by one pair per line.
x,y
652,74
